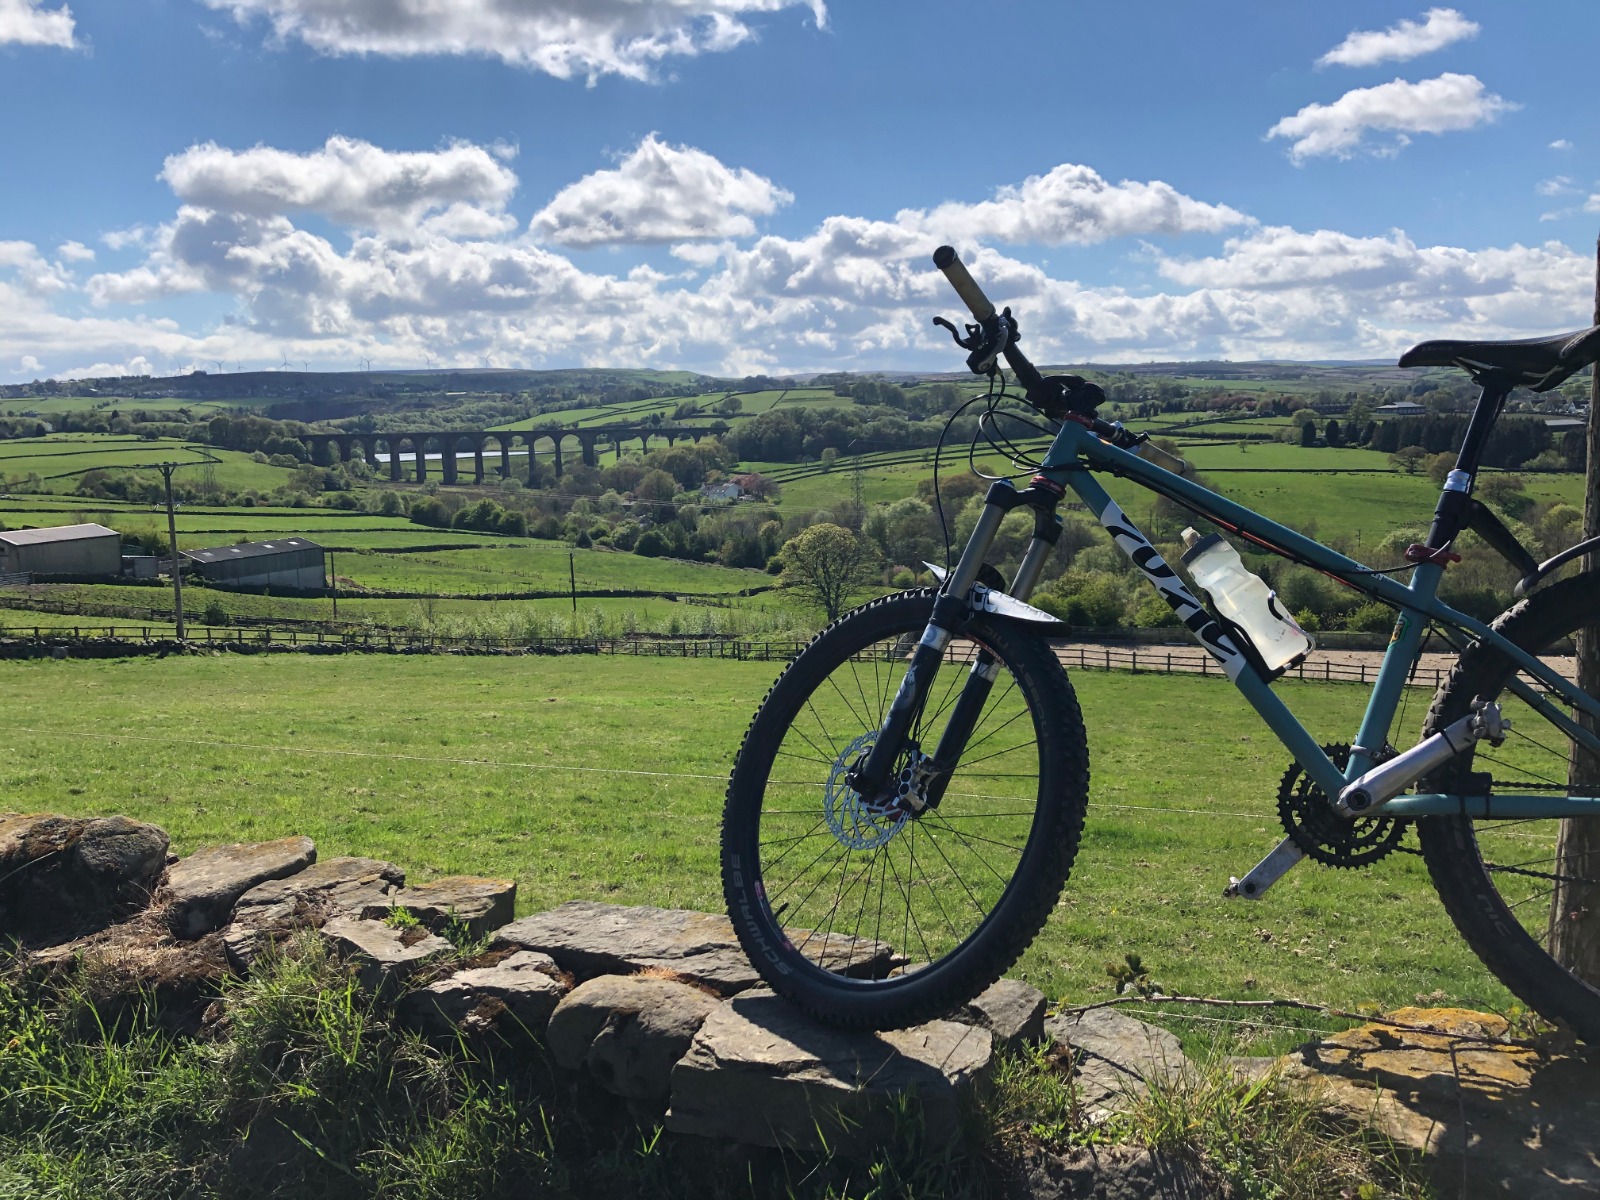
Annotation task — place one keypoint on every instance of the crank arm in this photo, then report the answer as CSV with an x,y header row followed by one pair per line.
x,y
1266,872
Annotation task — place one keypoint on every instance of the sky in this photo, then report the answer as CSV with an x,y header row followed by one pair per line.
x,y
756,186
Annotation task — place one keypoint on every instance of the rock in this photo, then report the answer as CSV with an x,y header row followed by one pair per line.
x,y
761,1073
385,956
201,890
481,905
589,939
1117,1055
514,998
269,912
1011,1010
137,970
627,1031
1116,1173
64,875
1515,1122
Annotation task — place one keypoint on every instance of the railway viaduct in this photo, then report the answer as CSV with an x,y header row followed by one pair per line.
x,y
454,447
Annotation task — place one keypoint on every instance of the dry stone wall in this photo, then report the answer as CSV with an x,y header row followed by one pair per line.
x,y
659,1011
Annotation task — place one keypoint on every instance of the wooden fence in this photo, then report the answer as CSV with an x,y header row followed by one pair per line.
x,y
1155,660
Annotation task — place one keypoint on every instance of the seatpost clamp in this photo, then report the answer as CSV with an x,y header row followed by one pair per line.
x,y
1441,557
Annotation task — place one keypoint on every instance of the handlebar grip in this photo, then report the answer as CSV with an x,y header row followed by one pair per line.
x,y
948,261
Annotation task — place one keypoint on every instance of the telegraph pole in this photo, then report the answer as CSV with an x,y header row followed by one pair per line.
x,y
572,582
333,586
167,469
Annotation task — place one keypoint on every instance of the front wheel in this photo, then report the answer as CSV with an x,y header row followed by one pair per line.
x,y
880,914
1524,893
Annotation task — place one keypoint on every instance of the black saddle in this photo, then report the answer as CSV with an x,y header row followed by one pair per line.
x,y
1536,363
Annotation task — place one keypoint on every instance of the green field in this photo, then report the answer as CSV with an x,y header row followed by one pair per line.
x,y
61,459
602,778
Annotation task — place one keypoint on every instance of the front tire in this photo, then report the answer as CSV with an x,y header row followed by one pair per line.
x,y
874,918
1497,878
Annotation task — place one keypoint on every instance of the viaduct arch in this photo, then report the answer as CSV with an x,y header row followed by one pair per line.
x,y
456,447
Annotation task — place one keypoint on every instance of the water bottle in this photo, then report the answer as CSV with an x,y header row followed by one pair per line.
x,y
1246,600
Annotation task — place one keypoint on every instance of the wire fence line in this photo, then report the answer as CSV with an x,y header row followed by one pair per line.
x,y
1146,659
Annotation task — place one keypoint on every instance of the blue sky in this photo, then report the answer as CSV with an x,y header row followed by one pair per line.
x,y
744,185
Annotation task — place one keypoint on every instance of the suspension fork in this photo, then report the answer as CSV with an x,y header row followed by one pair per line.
x,y
950,612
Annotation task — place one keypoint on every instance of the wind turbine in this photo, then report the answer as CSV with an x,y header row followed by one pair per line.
x,y
284,365
367,364
306,363
218,361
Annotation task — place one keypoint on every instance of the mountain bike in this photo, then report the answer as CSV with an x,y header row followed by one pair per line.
x,y
907,802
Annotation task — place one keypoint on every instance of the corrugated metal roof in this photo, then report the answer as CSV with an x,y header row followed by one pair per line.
x,y
55,533
251,550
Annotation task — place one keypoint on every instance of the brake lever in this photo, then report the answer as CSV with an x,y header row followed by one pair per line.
x,y
970,342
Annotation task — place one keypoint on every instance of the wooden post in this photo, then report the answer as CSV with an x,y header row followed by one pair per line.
x,y
1575,907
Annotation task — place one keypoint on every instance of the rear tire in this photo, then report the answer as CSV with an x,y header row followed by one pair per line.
x,y
874,919
1495,877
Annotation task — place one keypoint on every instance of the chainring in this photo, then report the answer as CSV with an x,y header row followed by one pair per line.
x,y
1324,835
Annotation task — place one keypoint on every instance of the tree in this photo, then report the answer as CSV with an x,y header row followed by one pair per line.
x,y
1575,905
1332,434
1308,433
826,564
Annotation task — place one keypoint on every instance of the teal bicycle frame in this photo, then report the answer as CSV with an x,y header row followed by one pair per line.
x,y
1076,451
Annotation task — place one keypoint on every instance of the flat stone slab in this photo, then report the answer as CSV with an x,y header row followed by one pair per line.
x,y
761,1073
628,1031
480,905
1118,1055
1009,1009
385,956
69,875
590,939
201,890
1519,1123
269,912
514,997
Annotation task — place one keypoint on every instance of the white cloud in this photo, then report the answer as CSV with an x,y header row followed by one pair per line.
x,y
1073,204
29,363
459,285
1449,102
1559,185
29,270
659,193
351,182
74,252
565,38
1560,144
23,22
1439,27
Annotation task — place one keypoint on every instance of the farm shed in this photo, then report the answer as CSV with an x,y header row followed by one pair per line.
x,y
282,562
61,550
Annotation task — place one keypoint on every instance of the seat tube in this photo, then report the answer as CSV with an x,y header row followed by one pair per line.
x,y
1409,628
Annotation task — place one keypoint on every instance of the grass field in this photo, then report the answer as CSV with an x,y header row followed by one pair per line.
x,y
63,458
602,778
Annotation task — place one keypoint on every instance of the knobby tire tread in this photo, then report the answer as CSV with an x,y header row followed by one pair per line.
x,y
1450,847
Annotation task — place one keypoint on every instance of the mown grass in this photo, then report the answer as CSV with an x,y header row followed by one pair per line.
x,y
602,778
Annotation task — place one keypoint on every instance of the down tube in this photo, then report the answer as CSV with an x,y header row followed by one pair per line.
x,y
1211,636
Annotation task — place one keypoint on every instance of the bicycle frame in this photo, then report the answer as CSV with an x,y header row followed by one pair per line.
x,y
1076,451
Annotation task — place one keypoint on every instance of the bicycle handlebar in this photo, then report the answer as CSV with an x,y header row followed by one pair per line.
x,y
948,261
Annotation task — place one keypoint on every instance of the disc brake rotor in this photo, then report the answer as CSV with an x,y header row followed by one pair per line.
x,y
856,822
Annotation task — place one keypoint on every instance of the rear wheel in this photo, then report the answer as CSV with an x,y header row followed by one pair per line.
x,y
880,915
1525,894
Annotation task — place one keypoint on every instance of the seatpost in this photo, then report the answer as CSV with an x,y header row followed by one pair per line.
x,y
1454,507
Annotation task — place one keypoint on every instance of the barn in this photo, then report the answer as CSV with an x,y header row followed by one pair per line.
x,y
284,562
61,550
